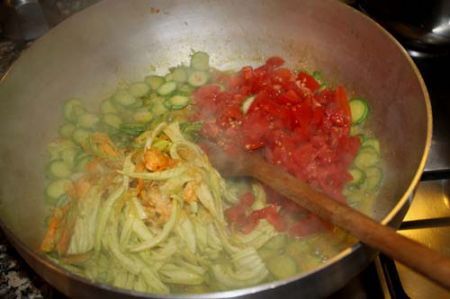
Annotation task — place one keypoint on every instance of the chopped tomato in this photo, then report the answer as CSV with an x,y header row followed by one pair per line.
x,y
247,199
235,213
254,128
229,116
307,226
290,97
247,72
349,147
211,130
274,62
308,81
207,93
293,122
342,101
282,76
248,226
271,214
241,215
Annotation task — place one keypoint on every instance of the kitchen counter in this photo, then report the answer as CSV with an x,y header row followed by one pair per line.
x,y
9,51
17,280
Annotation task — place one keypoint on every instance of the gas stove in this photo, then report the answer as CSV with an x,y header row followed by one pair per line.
x,y
427,221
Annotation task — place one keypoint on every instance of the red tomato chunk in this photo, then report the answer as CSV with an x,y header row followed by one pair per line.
x,y
293,122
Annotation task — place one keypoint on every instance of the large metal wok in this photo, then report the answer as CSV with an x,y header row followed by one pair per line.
x,y
88,54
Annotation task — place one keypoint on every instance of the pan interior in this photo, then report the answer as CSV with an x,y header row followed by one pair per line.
x,y
114,41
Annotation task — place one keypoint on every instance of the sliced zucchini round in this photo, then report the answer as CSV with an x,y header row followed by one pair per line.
x,y
282,266
299,250
185,89
372,142
124,98
147,101
60,169
56,148
359,110
200,61
350,189
276,243
374,176
81,136
57,188
198,78
112,120
66,130
179,74
139,89
108,107
167,88
168,77
158,108
366,157
356,130
142,116
68,155
177,102
154,81
265,253
73,109
358,176
139,103
88,120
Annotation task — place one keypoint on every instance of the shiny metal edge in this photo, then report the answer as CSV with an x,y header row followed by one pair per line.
x,y
387,220
25,252
409,191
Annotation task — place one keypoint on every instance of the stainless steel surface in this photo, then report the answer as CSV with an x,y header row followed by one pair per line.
x,y
434,71
382,277
116,40
439,158
431,203
26,20
422,25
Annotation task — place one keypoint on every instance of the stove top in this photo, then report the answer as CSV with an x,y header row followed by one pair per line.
x,y
427,221
428,218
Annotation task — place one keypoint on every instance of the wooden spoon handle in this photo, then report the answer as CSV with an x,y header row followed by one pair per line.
x,y
422,259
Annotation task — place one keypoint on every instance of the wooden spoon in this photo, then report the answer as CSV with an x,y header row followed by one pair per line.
x,y
416,256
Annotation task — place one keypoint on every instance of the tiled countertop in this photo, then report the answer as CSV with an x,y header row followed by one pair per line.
x,y
9,51
17,280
